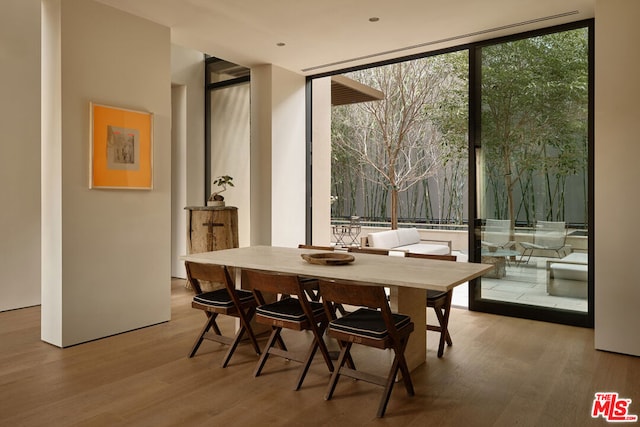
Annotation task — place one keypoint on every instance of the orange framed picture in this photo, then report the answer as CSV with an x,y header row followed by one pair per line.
x,y
121,148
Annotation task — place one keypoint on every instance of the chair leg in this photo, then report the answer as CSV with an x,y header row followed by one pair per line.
x,y
233,346
345,354
443,318
318,333
384,400
245,320
399,363
404,369
443,331
275,336
523,255
318,342
210,323
305,366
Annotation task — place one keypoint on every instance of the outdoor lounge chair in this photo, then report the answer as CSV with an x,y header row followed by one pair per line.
x,y
497,234
547,236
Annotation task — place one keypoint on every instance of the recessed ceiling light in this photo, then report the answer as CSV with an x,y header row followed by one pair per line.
x,y
374,19
280,44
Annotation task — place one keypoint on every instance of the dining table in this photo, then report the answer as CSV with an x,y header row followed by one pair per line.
x,y
408,279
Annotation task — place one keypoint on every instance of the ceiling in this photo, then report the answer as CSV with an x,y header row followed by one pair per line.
x,y
327,35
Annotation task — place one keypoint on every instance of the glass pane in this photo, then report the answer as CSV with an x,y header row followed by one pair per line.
x,y
220,70
533,170
403,158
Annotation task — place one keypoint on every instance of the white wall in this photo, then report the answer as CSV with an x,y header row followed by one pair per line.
x,y
51,171
261,126
187,76
277,157
288,158
617,150
187,68
178,178
111,269
20,153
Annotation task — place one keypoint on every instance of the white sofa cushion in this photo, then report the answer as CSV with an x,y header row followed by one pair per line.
x,y
566,270
407,240
408,236
384,239
425,248
576,257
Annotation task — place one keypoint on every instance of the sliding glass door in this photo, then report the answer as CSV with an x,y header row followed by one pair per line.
x,y
523,106
533,168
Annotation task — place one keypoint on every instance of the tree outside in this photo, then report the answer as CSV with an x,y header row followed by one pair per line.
x,y
534,125
382,149
405,157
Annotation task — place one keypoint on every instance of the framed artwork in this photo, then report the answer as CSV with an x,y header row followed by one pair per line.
x,y
121,148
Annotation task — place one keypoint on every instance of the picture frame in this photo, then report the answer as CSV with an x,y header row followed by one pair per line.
x,y
121,148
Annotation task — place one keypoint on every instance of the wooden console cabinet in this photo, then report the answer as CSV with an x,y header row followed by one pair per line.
x,y
211,228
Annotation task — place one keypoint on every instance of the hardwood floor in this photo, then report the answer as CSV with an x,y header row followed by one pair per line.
x,y
500,372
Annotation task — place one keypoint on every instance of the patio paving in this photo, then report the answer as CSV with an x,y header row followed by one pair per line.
x,y
523,283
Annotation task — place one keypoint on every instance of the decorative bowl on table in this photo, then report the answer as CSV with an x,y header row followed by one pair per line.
x,y
328,258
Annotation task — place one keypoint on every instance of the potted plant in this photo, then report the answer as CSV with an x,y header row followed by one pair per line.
x,y
222,181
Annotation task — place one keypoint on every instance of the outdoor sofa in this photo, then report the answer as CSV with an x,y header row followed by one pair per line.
x,y
406,240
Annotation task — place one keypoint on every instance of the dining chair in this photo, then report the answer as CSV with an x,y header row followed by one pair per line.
x,y
316,247
368,250
295,311
311,283
372,325
227,301
440,302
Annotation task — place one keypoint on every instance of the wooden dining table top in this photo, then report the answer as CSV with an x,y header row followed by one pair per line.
x,y
371,269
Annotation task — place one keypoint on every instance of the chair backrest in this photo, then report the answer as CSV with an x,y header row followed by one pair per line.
x,y
497,231
316,247
197,272
550,234
431,256
368,250
350,293
272,283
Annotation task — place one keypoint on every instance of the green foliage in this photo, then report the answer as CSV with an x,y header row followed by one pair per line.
x,y
534,115
414,143
221,181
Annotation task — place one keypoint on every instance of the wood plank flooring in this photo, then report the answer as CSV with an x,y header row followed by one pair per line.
x,y
500,372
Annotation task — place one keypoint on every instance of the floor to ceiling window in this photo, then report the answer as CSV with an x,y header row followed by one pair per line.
x,y
227,134
494,139
532,178
402,158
